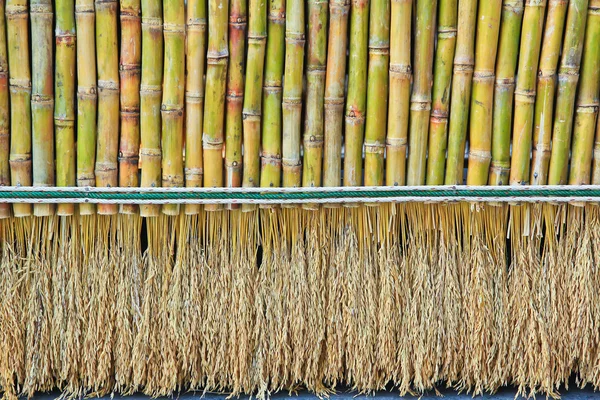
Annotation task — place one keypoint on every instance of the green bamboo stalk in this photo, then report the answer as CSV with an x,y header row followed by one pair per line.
x,y
356,101
151,97
533,21
270,174
420,103
194,97
107,142
317,103
173,97
462,78
64,107
399,102
506,64
130,74
4,113
546,90
587,101
252,112
235,94
442,81
214,108
568,77
482,96
377,92
87,97
42,100
20,98
292,93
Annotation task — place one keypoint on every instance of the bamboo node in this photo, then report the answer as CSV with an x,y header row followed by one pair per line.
x,y
463,67
525,96
108,85
19,83
152,22
14,11
419,105
148,153
480,155
534,3
171,28
66,38
505,81
149,89
587,108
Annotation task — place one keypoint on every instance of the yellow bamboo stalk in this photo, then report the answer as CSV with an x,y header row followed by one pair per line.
x,y
107,59
64,107
130,75
214,108
4,113
17,17
482,96
399,101
173,98
292,93
194,96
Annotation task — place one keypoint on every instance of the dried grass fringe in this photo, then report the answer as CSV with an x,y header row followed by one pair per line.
x,y
405,296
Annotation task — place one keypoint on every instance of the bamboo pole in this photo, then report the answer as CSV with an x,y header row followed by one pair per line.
x,y
252,112
150,98
4,113
482,96
377,92
442,80
64,91
533,21
107,140
546,90
568,77
194,96
315,168
235,94
270,174
462,79
130,75
42,100
292,93
214,108
19,73
596,156
399,101
506,64
87,97
356,100
173,97
586,113
420,102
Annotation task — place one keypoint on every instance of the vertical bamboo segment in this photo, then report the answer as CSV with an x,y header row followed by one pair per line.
x,y
130,75
235,94
87,96
20,98
270,174
482,97
64,107
107,55
252,112
533,21
462,77
194,96
216,74
399,102
587,101
4,113
568,77
356,101
442,80
506,64
173,97
317,100
151,97
596,156
377,92
546,90
292,93
420,102
42,99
